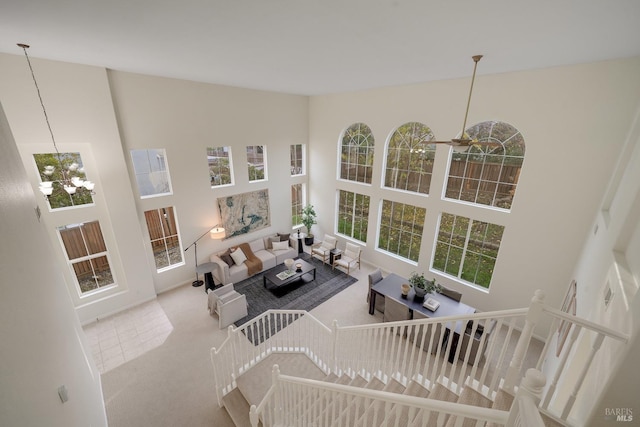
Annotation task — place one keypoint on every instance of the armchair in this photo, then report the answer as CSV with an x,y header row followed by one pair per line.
x,y
478,341
349,258
321,250
229,305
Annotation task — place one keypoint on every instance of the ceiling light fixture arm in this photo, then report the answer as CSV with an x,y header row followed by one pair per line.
x,y
462,139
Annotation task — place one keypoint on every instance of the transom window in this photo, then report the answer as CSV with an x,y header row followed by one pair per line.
x,y
87,255
257,162
356,153
152,172
409,162
165,241
353,215
296,204
467,249
220,166
487,174
297,159
401,227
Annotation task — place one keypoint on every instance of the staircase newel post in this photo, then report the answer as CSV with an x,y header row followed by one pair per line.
x,y
275,383
527,398
334,345
533,316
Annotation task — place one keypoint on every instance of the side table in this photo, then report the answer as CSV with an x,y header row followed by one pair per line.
x,y
206,269
334,254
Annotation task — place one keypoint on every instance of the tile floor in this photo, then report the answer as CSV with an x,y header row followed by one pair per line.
x,y
125,336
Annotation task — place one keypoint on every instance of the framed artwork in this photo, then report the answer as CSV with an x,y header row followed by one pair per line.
x,y
244,213
569,307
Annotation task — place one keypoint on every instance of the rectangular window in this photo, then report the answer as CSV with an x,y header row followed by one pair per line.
x,y
165,242
220,170
297,159
87,255
467,249
60,170
353,215
296,204
401,228
257,162
152,172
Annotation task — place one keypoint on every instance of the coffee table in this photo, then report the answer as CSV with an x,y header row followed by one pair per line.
x,y
272,281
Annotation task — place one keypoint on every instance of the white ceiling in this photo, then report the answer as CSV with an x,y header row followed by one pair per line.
x,y
320,46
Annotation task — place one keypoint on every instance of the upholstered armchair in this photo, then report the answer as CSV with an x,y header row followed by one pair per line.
x,y
322,250
454,295
395,311
229,305
478,341
432,330
349,258
374,277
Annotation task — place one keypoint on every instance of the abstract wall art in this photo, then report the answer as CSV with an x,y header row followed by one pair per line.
x,y
244,213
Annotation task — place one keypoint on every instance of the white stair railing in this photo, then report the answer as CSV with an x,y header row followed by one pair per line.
x,y
300,401
524,412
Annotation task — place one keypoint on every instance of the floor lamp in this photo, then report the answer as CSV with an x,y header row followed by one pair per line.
x,y
217,233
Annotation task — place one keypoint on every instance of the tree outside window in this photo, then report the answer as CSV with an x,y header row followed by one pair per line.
x,y
487,174
256,162
353,215
87,255
297,202
401,227
356,153
165,241
467,249
220,170
410,158
57,168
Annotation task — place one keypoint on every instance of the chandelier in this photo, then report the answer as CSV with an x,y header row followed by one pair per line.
x,y
71,174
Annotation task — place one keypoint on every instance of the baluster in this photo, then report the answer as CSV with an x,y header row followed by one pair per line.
x,y
534,314
530,390
597,342
575,332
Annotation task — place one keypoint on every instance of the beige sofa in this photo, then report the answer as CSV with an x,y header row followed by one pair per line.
x,y
263,249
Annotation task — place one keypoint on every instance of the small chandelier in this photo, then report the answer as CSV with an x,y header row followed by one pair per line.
x,y
70,181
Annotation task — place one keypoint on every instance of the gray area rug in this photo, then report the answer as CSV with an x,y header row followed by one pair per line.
x,y
300,296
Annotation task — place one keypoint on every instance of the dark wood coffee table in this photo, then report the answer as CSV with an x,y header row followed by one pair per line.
x,y
272,281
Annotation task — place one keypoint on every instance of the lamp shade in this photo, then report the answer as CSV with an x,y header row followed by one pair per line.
x,y
217,233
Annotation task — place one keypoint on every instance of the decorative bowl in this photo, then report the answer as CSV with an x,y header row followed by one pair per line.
x,y
298,266
288,263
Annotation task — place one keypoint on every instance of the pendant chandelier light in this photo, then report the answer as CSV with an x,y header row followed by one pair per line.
x,y
70,180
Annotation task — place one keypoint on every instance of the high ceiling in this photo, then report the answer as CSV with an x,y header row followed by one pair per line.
x,y
320,46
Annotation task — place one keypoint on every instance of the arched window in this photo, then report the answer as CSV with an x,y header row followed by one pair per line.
x,y
410,158
356,153
487,174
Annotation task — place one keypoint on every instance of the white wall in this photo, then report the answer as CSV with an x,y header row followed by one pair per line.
x,y
187,117
574,121
80,110
42,345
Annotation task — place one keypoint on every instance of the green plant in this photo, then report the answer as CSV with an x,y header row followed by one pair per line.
x,y
309,218
419,281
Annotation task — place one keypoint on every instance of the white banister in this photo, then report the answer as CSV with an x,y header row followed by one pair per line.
x,y
533,316
525,411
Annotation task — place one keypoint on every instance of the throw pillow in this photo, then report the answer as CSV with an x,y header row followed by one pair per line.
x,y
271,240
284,237
226,257
280,246
238,256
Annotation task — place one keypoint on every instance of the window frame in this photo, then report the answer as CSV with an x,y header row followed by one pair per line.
x,y
138,174
294,160
210,166
354,217
296,210
164,238
257,148
347,149
86,258
416,237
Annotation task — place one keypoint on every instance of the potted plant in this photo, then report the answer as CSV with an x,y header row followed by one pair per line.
x,y
308,219
422,286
